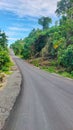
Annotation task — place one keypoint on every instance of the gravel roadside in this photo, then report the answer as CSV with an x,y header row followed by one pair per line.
x,y
8,96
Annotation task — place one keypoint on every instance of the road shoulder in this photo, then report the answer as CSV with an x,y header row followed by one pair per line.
x,y
8,96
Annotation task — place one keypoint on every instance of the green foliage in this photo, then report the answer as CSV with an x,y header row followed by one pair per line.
x,y
35,62
17,47
59,43
3,40
40,43
53,42
63,6
4,60
50,69
65,58
26,51
4,54
44,21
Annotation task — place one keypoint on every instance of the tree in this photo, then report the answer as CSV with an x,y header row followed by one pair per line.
x,y
4,54
3,40
63,20
63,6
44,21
70,13
26,51
17,47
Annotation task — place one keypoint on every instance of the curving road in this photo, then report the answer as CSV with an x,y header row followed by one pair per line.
x,y
46,102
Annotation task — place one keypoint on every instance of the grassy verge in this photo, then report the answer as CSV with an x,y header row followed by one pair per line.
x,y
51,67
5,72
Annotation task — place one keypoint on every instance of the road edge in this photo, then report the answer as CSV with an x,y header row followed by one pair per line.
x,y
9,95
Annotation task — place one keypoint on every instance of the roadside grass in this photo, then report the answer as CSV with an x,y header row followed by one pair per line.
x,y
6,70
20,56
35,62
51,67
66,74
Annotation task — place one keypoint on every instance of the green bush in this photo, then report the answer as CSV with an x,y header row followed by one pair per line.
x,y
4,60
72,73
65,58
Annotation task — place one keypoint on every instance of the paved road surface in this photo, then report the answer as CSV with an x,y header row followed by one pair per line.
x,y
46,102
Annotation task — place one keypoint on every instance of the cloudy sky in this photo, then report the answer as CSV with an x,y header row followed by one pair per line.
x,y
19,17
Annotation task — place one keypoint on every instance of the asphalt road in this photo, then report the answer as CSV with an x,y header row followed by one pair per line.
x,y
46,102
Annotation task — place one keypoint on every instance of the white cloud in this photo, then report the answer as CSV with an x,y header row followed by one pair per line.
x,y
18,29
16,32
12,39
29,7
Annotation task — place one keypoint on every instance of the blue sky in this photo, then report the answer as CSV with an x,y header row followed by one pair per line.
x,y
19,17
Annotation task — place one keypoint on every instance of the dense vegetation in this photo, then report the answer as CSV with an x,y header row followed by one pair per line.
x,y
4,53
54,43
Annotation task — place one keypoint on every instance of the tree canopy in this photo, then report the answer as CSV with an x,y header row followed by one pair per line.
x,y
63,6
3,39
45,21
4,53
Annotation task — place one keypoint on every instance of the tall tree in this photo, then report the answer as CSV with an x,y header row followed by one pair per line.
x,y
3,40
63,6
44,21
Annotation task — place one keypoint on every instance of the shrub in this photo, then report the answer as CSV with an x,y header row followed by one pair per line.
x,y
4,60
65,58
72,73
